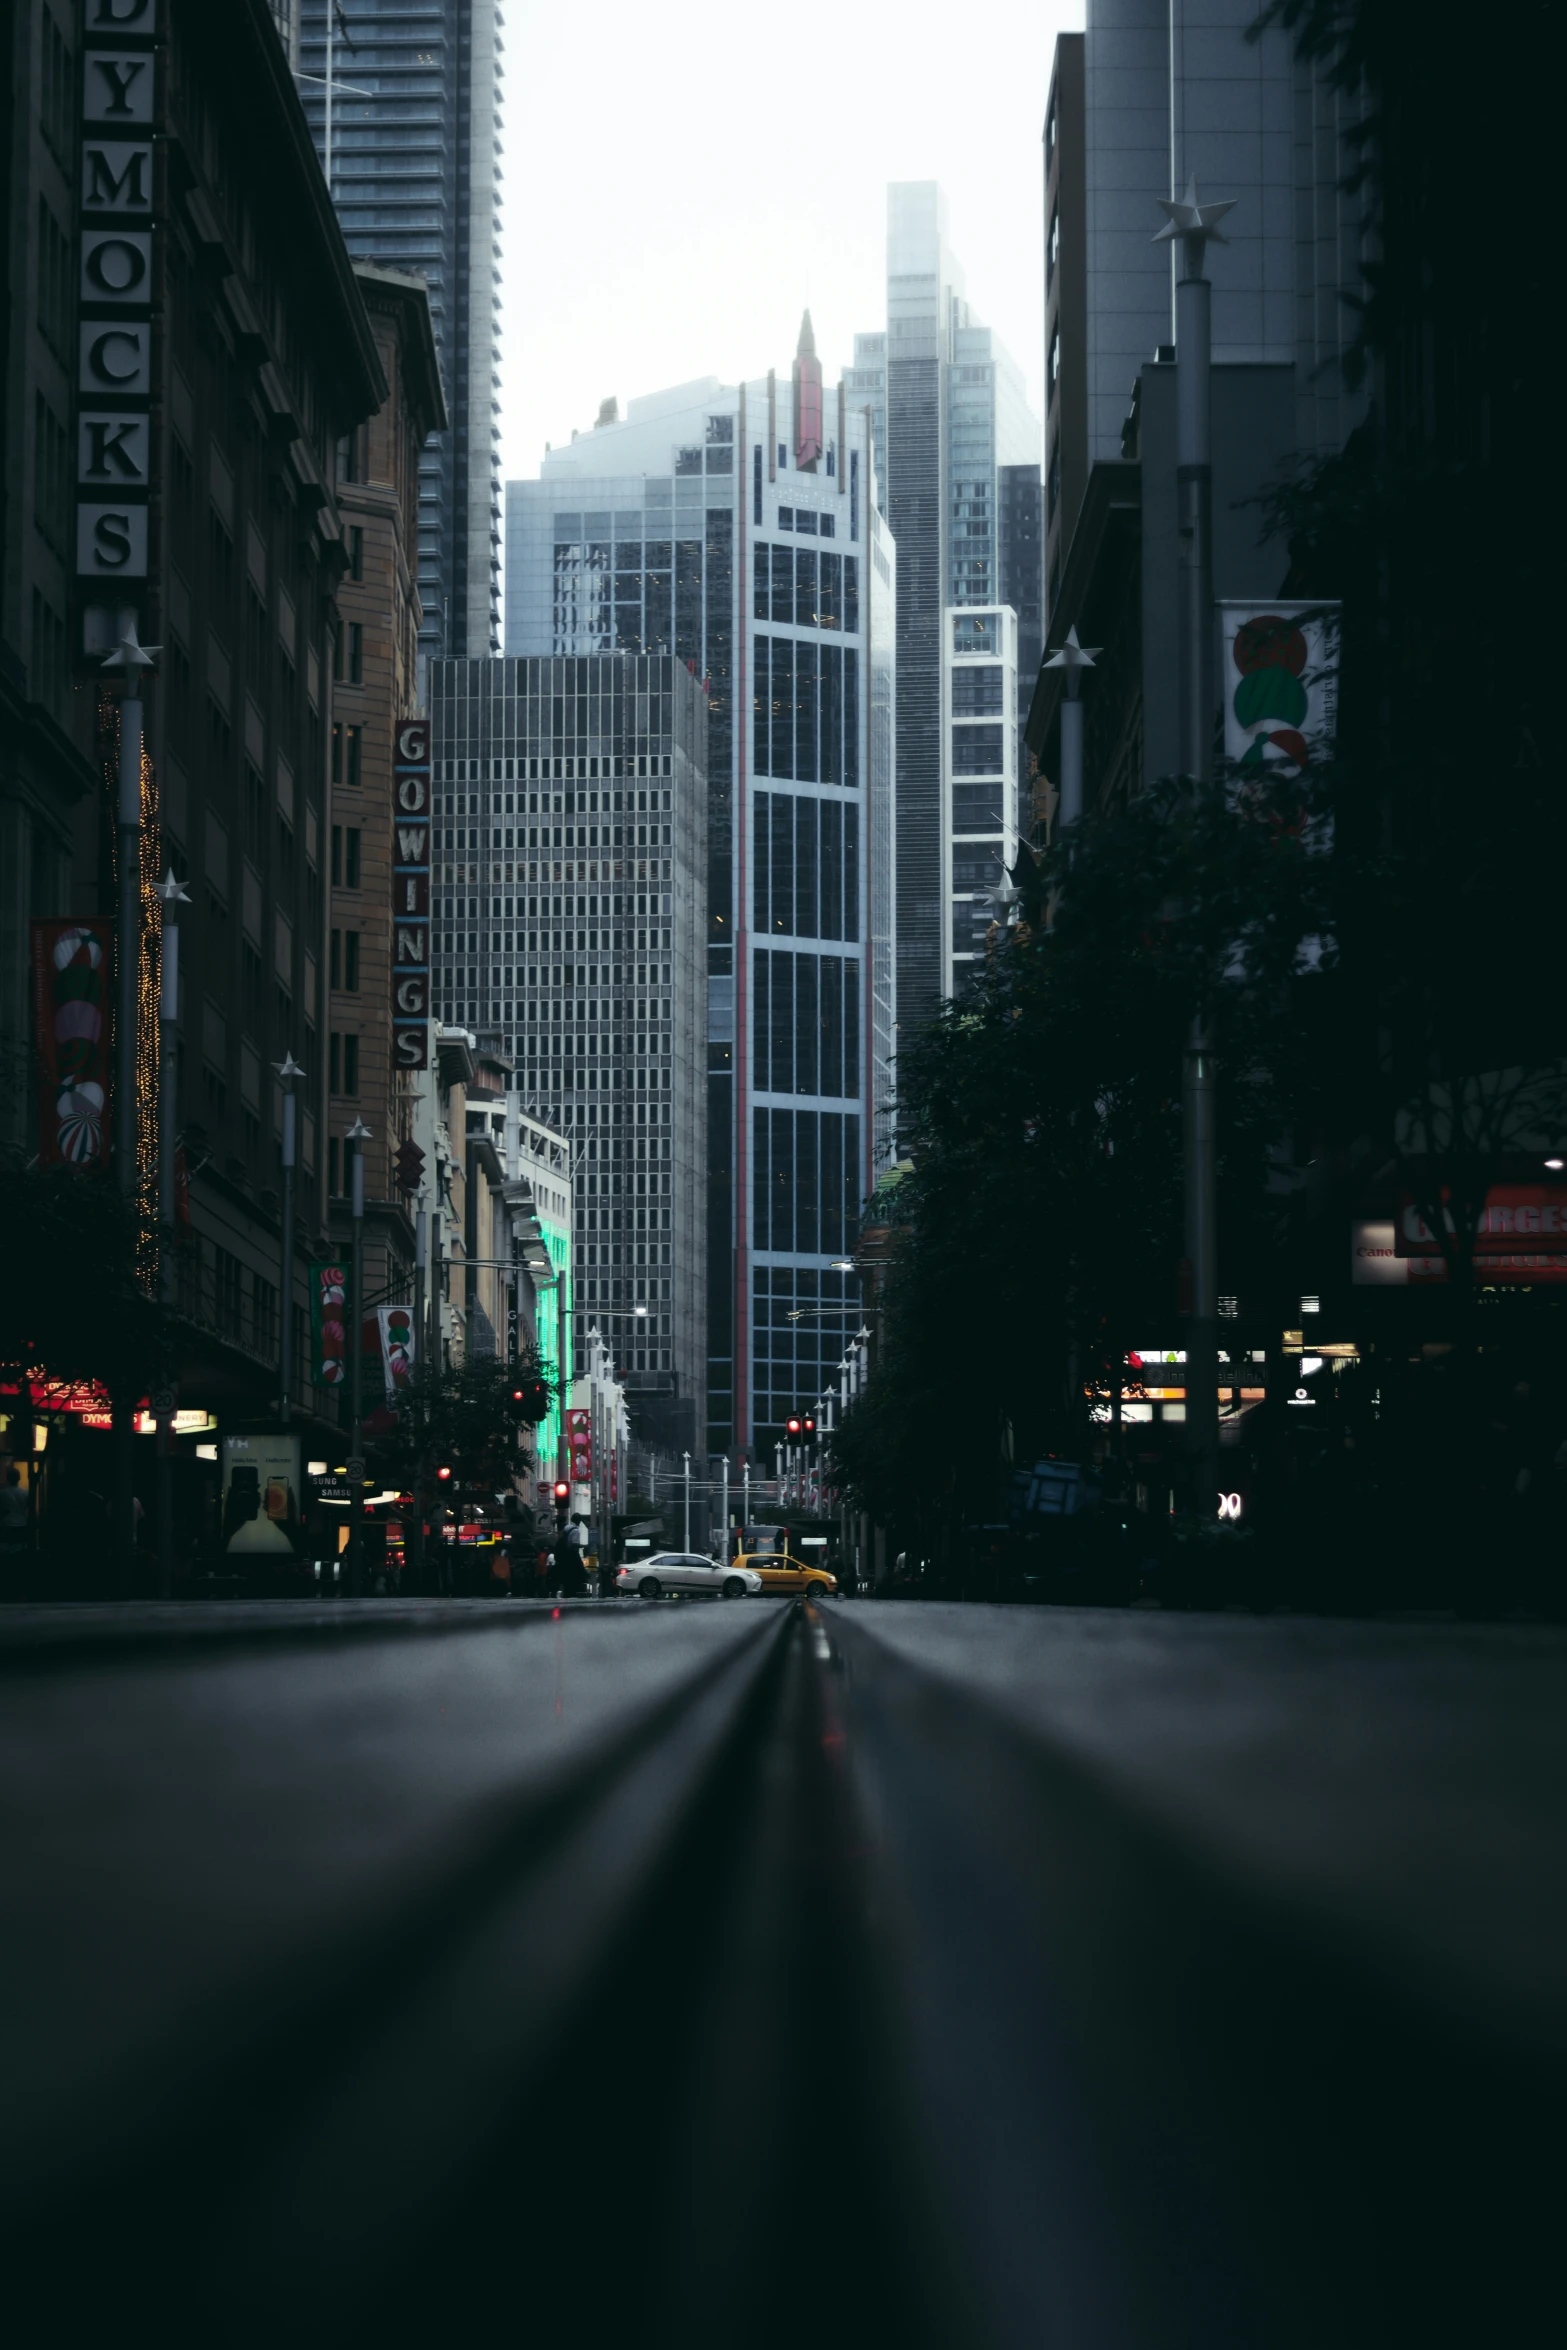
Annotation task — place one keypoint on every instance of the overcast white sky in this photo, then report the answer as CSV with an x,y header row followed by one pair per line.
x,y
682,182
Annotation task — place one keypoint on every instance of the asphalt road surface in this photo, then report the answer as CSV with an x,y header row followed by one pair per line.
x,y
933,1976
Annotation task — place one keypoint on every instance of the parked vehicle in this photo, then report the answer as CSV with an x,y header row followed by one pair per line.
x,y
686,1570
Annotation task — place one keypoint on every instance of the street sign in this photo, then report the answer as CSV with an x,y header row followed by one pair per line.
x,y
354,1470
162,1402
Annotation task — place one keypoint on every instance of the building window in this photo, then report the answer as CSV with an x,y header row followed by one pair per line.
x,y
756,485
347,762
356,653
352,836
351,962
356,552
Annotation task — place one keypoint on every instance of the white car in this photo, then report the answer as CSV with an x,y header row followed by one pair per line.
x,y
685,1570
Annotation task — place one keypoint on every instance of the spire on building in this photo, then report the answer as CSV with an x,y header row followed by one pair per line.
x,y
806,347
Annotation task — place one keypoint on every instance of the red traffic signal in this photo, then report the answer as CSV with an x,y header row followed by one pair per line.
x,y
529,1399
809,1425
562,1490
443,1473
792,1427
410,1166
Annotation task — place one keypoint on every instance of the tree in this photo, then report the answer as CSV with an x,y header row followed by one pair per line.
x,y
474,1418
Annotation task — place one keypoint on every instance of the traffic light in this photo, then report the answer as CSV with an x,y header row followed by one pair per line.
x,y
528,1399
444,1474
792,1427
809,1425
410,1166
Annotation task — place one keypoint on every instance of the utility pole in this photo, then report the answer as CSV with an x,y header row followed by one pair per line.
x,y
723,1514
1191,224
358,1135
131,658
687,1458
164,1404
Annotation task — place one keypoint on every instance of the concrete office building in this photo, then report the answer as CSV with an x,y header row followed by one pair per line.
x,y
735,526
568,908
1145,98
948,417
415,174
979,780
1152,92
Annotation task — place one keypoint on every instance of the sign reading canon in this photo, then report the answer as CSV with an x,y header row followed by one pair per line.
x,y
115,290
411,804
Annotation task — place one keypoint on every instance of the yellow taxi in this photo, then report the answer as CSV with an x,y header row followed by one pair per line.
x,y
780,1570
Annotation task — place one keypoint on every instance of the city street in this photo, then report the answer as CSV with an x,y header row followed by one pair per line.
x,y
690,1973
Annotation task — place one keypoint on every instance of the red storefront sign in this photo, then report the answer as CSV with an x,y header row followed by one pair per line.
x,y
1517,1217
72,966
411,810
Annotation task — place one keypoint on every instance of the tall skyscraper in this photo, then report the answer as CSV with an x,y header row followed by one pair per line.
x,y
951,414
568,918
413,89
735,527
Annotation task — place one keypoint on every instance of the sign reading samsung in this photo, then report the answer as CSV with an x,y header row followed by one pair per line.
x,y
115,290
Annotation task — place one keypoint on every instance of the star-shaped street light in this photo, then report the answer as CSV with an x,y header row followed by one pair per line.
x,y
1074,659
1191,220
288,1069
358,1132
129,655
172,892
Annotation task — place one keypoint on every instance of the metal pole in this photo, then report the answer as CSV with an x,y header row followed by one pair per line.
x,y
1072,659
128,974
358,1135
328,110
724,1489
1192,224
168,1013
687,1458
745,1497
288,1069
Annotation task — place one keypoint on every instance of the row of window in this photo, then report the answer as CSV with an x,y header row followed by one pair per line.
x,y
805,1191
805,1023
807,867
805,712
802,589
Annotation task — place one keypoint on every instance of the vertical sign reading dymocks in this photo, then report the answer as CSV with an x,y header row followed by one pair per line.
x,y
411,894
114,353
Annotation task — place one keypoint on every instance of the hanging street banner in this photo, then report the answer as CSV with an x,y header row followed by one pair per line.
x,y
395,1326
1280,683
72,966
411,805
328,1325
579,1441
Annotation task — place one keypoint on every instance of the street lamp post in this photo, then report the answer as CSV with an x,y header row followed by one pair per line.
x,y
1192,224
170,895
724,1506
358,1135
131,658
287,1069
745,1496
1073,659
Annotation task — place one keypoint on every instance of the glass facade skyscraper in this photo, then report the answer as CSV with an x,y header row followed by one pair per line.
x,y
569,901
948,414
414,172
735,528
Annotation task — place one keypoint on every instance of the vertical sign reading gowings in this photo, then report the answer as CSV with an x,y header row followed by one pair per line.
x,y
411,895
